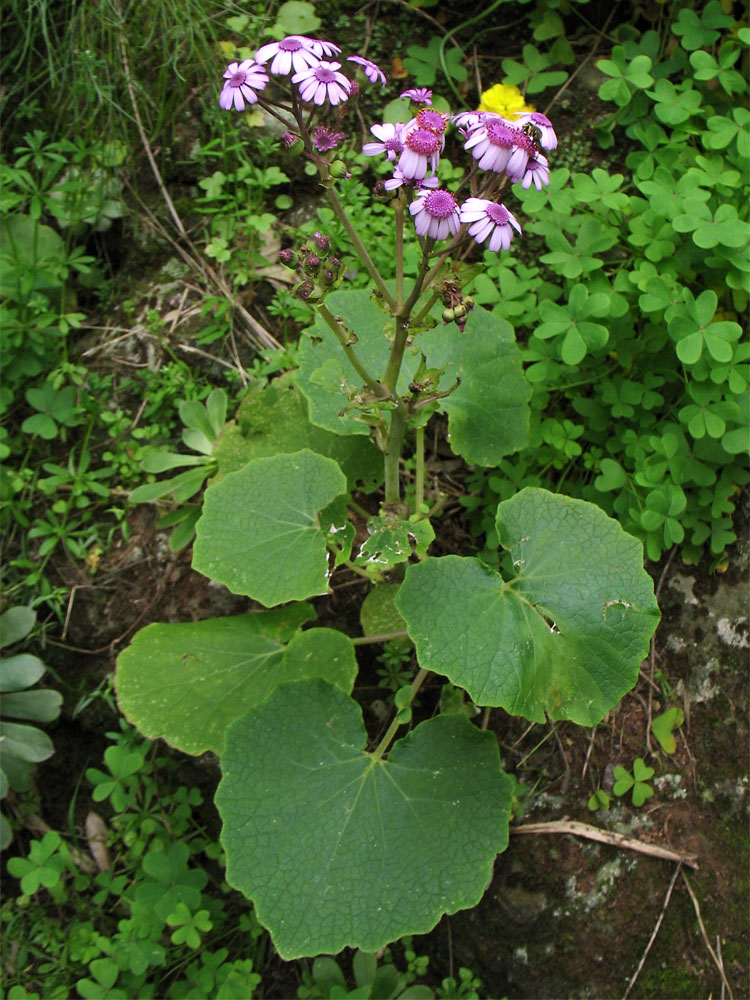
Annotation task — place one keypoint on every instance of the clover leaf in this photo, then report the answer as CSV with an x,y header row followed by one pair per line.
x,y
700,32
624,781
627,76
674,105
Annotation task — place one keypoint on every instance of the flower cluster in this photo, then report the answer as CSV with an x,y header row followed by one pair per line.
x,y
498,145
309,62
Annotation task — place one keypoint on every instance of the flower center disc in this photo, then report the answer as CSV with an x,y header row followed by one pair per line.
x,y
426,118
498,214
422,141
324,75
501,134
440,204
290,45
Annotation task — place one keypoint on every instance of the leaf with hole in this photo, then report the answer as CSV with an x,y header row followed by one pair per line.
x,y
564,637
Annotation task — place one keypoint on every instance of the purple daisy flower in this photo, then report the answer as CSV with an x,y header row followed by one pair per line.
x,y
494,142
398,179
242,80
489,218
295,52
537,172
391,140
321,82
421,146
420,95
371,70
324,138
547,137
321,48
467,121
436,214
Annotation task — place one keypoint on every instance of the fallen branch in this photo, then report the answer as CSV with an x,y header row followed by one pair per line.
x,y
607,837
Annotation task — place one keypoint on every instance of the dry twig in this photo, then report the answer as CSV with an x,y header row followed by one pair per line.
x,y
607,837
655,931
717,961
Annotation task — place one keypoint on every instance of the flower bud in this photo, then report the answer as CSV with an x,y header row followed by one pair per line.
x,y
448,316
469,302
288,258
321,241
459,311
311,262
338,168
293,143
304,290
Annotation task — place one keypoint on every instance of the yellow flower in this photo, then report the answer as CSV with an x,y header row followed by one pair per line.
x,y
504,100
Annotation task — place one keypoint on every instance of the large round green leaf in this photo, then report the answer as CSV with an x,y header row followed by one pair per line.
x,y
188,682
565,636
336,847
259,533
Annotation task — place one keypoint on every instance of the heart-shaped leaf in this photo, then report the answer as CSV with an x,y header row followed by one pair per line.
x,y
259,532
337,847
188,682
663,727
624,780
565,636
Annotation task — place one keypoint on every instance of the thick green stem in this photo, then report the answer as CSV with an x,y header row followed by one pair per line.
x,y
399,209
419,471
394,443
402,322
396,725
397,429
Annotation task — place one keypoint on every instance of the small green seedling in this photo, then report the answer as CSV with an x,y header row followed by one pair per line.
x,y
600,800
664,725
624,781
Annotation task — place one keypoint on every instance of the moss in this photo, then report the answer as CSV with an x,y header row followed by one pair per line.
x,y
677,984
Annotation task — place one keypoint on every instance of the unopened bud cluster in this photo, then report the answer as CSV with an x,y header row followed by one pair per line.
x,y
457,305
317,270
